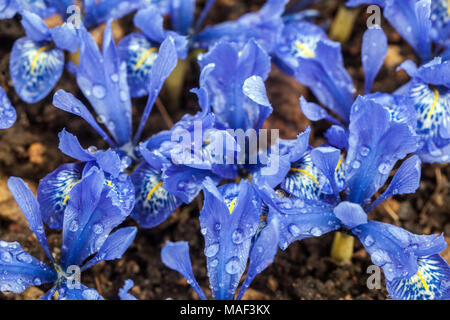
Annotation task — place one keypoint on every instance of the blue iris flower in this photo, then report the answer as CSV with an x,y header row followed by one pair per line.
x,y
102,78
54,190
140,50
8,114
92,213
305,51
124,291
177,161
37,60
420,23
377,139
236,85
429,92
230,225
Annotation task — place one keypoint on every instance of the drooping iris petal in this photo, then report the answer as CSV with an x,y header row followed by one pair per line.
x,y
395,249
19,270
53,192
405,180
114,247
303,179
139,54
431,282
175,255
77,292
433,120
374,49
434,72
154,204
30,208
102,78
92,212
299,218
35,68
8,114
305,52
376,143
124,291
229,220
261,254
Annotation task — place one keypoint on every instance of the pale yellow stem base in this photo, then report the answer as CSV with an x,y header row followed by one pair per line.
x,y
342,248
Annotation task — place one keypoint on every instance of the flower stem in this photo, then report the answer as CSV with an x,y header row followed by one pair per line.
x,y
342,248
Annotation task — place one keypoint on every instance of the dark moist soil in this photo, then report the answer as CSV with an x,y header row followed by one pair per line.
x,y
304,271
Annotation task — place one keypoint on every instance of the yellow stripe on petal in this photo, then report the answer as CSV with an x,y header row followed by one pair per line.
x,y
144,57
232,205
67,197
153,190
436,97
302,47
307,173
36,57
339,163
423,281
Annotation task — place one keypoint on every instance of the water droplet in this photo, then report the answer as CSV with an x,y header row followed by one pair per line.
x,y
316,232
76,110
214,263
24,257
356,164
232,266
368,241
37,281
294,230
124,96
238,236
92,149
384,168
364,151
73,226
115,77
6,257
212,250
98,228
99,91
217,226
203,231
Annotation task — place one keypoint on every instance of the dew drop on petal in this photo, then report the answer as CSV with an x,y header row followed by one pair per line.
x,y
232,266
211,250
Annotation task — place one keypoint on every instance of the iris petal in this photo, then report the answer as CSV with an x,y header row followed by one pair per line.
x,y
35,69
